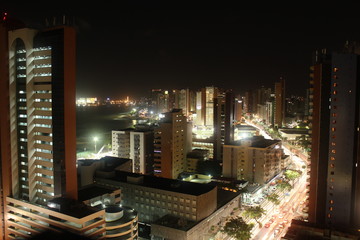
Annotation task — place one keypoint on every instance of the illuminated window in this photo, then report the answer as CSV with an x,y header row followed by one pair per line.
x,y
331,180
330,208
334,114
334,92
332,158
331,187
333,121
333,129
329,215
332,165
335,69
334,84
331,201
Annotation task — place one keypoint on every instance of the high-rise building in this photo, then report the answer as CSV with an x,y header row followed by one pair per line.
x,y
142,151
42,96
279,114
120,143
136,145
334,175
170,141
224,118
38,135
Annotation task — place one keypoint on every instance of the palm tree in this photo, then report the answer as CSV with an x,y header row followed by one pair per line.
x,y
255,213
273,198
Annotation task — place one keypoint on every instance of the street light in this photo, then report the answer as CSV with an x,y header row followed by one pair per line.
x,y
95,140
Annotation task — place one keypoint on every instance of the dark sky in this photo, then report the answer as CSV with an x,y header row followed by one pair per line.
x,y
130,47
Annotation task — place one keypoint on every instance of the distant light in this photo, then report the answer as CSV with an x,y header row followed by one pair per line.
x,y
151,112
95,139
166,92
108,99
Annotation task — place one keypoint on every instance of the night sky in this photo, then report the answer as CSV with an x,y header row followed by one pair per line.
x,y
128,48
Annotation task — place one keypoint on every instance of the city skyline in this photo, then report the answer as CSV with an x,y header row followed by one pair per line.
x,y
134,47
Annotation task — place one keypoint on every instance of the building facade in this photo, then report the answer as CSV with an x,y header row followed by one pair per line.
x,y
170,141
254,159
334,173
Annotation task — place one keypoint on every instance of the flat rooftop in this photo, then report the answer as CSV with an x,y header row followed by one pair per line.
x,y
175,222
166,184
257,142
71,207
92,191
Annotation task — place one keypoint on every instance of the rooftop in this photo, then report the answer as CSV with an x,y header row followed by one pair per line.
x,y
175,222
71,207
91,191
256,142
166,184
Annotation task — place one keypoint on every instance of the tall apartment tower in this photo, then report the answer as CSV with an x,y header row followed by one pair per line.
x,y
41,100
319,94
170,140
142,151
224,118
38,156
279,116
337,163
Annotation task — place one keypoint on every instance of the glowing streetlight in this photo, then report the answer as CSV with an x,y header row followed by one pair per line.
x,y
95,140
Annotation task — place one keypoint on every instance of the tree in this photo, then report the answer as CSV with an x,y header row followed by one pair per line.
x,y
285,185
255,213
291,175
274,198
238,229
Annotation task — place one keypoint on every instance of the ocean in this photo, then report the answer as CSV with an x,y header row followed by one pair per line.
x,y
98,122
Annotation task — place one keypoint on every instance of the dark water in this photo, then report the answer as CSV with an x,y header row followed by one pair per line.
x,y
99,121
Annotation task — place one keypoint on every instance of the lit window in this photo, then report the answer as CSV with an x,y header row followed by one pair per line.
x,y
332,165
333,151
334,92
335,69
334,84
331,201
333,129
333,144
332,158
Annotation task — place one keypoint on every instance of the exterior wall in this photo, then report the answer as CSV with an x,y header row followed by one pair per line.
x,y
319,135
141,151
26,220
170,145
40,109
279,115
343,141
253,164
202,230
121,144
153,204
